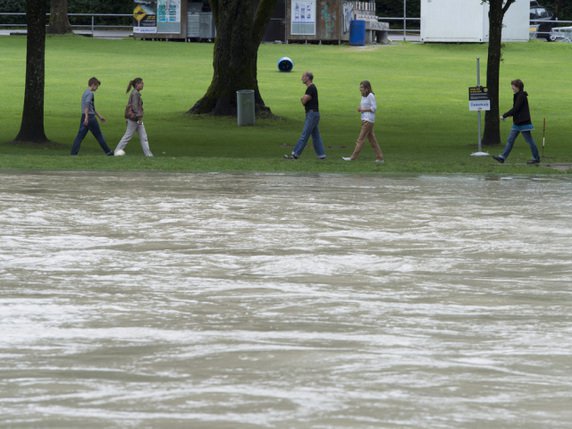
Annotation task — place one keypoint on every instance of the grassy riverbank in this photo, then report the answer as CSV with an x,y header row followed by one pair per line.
x,y
424,125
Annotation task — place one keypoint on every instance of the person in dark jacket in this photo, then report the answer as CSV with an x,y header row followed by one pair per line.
x,y
521,123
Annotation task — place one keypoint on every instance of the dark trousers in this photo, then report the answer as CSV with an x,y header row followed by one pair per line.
x,y
93,126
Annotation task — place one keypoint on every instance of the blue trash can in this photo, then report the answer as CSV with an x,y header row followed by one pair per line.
x,y
357,32
285,64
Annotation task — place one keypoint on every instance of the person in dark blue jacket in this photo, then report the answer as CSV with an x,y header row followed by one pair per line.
x,y
521,123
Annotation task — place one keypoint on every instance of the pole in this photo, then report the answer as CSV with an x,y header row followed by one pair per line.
x,y
543,136
405,20
340,23
479,120
286,23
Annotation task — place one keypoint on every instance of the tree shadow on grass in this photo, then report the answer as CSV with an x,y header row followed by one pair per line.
x,y
47,145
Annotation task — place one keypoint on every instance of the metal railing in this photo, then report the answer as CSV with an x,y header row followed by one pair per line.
x,y
404,29
548,34
89,24
410,26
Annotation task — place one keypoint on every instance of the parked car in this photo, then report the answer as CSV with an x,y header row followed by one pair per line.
x,y
544,28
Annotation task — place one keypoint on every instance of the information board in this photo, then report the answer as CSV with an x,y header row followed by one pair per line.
x,y
479,98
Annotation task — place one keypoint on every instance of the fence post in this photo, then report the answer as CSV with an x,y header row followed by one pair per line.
x,y
404,20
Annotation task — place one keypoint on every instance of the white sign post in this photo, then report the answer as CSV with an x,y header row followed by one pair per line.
x,y
479,100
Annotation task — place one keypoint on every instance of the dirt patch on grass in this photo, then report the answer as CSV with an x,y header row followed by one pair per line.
x,y
560,166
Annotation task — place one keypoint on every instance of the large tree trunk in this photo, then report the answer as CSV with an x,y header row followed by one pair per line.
x,y
59,21
240,27
491,135
32,127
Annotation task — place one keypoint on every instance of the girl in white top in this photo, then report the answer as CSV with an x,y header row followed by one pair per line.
x,y
367,108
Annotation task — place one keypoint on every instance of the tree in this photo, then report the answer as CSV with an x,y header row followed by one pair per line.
x,y
562,8
497,10
59,22
240,27
32,126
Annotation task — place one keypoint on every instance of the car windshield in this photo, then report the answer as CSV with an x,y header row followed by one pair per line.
x,y
540,13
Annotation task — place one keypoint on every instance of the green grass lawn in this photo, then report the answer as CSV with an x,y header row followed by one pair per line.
x,y
423,123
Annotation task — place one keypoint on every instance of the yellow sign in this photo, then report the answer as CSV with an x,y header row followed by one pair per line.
x,y
138,13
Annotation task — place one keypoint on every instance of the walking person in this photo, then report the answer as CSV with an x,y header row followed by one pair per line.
x,y
367,108
521,123
310,102
134,117
89,118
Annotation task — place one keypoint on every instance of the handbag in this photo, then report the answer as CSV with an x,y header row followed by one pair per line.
x,y
129,113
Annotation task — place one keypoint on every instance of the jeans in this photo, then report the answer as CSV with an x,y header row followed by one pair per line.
x,y
310,129
527,137
93,126
133,126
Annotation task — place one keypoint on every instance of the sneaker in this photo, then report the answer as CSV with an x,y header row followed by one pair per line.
x,y
379,161
533,161
346,158
286,156
498,158
322,158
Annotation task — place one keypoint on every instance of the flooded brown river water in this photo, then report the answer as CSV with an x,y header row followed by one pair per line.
x,y
280,301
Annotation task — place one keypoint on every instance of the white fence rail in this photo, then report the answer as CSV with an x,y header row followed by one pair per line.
x,y
92,21
554,34
409,26
405,28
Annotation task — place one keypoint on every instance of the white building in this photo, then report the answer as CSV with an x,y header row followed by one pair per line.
x,y
468,21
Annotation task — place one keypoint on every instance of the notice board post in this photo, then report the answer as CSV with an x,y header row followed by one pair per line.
x,y
479,100
160,19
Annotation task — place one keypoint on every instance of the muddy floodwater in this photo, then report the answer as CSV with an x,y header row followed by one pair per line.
x,y
279,301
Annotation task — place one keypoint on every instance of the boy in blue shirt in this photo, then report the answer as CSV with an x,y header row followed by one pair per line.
x,y
89,119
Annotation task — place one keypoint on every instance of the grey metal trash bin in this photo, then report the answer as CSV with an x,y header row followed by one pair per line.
x,y
245,112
